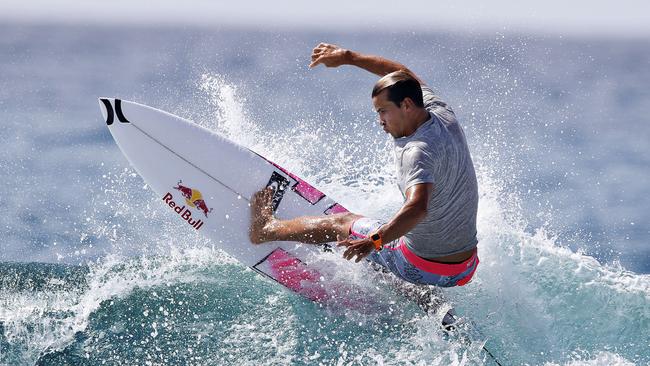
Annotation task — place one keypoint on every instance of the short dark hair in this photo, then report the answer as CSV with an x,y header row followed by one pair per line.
x,y
400,84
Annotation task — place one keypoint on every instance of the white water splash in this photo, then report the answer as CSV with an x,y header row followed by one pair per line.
x,y
48,320
535,299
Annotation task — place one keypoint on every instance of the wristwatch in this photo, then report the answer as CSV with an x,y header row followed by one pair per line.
x,y
376,239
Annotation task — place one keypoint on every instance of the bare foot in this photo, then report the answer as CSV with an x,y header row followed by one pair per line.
x,y
261,216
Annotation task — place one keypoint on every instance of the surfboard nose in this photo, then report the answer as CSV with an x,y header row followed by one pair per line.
x,y
111,109
107,110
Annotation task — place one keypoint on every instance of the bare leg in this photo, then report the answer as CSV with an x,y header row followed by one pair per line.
x,y
306,229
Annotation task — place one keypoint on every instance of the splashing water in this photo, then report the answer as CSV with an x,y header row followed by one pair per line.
x,y
184,302
316,151
534,299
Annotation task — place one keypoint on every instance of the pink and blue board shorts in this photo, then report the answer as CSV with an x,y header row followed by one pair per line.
x,y
401,261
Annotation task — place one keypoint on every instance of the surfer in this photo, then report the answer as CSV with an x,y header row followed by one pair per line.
x,y
432,238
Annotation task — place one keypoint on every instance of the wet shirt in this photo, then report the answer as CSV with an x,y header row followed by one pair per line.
x,y
437,153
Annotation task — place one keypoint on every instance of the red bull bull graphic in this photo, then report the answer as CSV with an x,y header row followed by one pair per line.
x,y
193,198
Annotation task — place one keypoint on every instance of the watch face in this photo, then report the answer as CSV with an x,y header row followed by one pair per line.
x,y
375,237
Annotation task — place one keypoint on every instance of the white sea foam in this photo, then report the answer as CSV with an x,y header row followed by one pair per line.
x,y
600,359
47,320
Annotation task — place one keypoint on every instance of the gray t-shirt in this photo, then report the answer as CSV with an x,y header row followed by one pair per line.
x,y
437,153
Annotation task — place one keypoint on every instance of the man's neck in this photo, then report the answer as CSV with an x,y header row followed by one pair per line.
x,y
421,119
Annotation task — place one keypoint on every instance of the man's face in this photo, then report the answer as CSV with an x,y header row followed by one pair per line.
x,y
391,117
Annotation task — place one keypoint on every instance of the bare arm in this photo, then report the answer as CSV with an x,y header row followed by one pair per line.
x,y
334,56
413,211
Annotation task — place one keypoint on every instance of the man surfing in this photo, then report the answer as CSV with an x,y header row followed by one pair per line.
x,y
431,240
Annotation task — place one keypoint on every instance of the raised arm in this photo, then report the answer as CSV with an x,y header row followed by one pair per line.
x,y
334,56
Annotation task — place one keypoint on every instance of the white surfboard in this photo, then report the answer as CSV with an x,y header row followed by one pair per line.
x,y
207,181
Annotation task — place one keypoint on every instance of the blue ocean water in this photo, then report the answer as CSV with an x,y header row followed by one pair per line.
x,y
93,271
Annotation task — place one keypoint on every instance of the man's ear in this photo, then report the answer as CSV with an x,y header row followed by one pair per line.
x,y
407,103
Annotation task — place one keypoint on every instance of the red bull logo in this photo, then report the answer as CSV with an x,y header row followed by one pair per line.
x,y
194,199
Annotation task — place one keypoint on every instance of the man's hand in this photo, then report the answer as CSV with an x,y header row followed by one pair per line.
x,y
329,55
360,248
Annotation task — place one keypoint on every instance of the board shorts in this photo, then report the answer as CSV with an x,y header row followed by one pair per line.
x,y
402,262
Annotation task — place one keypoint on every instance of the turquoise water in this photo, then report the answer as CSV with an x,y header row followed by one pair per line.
x,y
93,271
